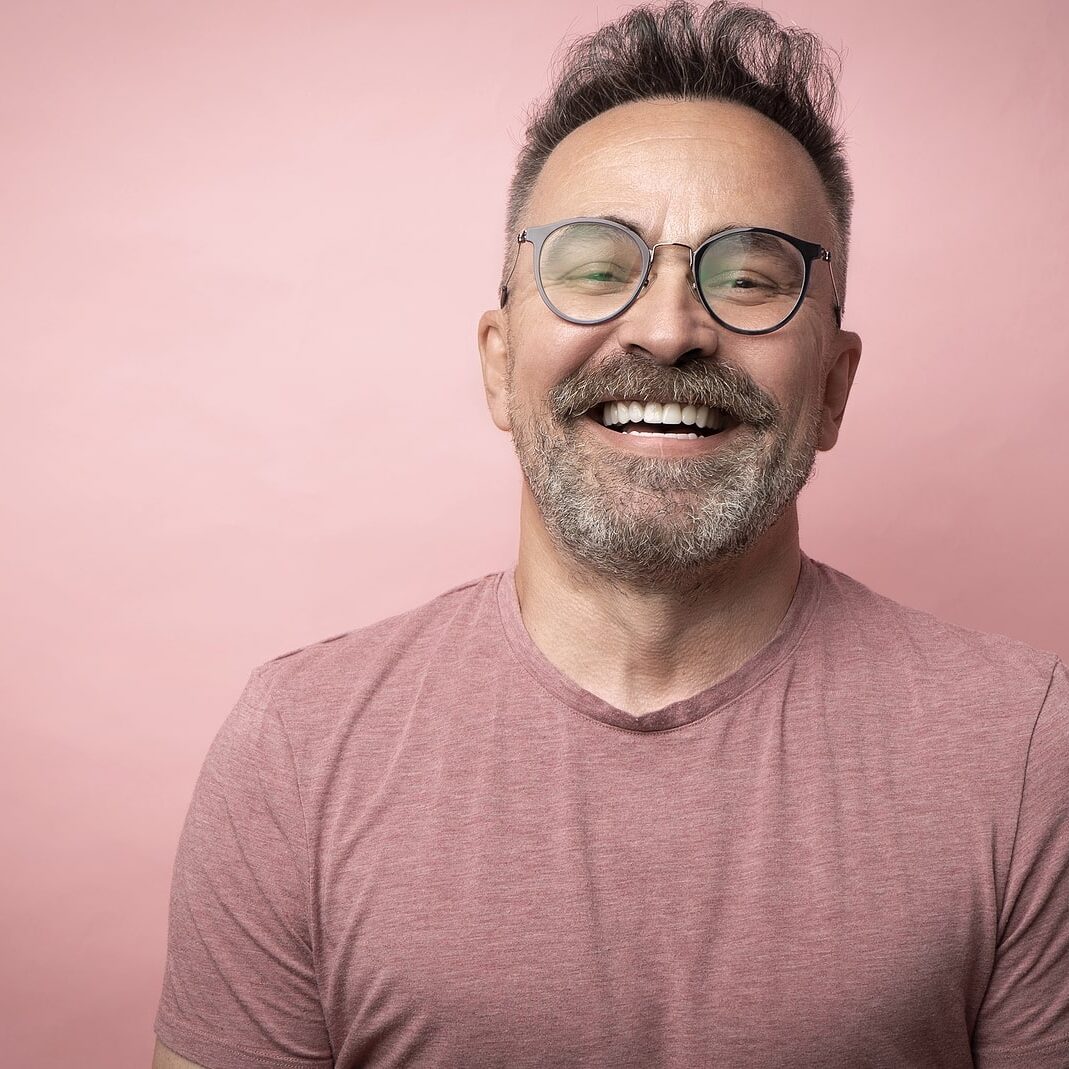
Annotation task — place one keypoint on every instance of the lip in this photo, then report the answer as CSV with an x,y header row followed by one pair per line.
x,y
643,446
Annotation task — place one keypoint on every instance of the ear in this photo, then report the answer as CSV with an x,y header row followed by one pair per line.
x,y
494,353
837,383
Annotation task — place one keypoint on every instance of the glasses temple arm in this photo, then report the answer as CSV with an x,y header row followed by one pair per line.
x,y
839,308
503,289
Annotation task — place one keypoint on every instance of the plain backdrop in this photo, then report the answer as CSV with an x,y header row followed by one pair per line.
x,y
230,426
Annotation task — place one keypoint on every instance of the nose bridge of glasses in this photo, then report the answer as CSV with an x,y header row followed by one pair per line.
x,y
690,261
678,244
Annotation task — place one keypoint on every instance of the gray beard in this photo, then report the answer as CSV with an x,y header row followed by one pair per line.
x,y
647,520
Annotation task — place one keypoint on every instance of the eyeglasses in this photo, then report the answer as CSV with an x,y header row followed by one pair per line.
x,y
752,280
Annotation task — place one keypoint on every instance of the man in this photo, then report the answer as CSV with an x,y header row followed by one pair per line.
x,y
669,793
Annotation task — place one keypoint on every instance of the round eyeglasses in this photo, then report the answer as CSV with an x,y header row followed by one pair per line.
x,y
751,280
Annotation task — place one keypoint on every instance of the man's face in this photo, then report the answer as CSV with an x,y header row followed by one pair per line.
x,y
650,508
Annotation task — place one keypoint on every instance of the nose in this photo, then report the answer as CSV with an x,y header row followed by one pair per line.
x,y
668,321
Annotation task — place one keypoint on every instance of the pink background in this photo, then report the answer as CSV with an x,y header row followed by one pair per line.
x,y
230,431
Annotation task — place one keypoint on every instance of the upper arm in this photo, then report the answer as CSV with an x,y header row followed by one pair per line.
x,y
1024,1018
165,1058
240,989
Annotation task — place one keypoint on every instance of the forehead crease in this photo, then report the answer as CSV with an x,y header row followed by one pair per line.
x,y
637,164
663,172
678,151
631,138
634,124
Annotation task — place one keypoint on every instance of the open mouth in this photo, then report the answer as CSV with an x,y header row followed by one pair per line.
x,y
662,419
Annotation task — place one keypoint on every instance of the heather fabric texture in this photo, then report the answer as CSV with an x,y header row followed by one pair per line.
x,y
419,844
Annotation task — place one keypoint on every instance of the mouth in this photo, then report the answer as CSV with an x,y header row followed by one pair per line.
x,y
669,420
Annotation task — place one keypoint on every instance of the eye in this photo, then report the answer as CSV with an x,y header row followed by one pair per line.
x,y
598,272
735,280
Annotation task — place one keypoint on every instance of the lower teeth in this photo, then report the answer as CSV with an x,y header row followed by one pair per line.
x,y
660,434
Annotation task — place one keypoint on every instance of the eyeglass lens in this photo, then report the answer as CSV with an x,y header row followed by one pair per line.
x,y
752,281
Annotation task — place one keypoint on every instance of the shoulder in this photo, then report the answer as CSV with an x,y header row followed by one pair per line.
x,y
348,667
931,654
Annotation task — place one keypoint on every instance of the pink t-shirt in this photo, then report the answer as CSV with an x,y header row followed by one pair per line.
x,y
419,844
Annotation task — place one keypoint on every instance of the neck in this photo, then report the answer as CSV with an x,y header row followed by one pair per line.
x,y
642,647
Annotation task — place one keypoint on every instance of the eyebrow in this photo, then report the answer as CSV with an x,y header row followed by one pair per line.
x,y
638,230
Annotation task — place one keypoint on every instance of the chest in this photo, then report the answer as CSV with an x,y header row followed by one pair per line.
x,y
635,921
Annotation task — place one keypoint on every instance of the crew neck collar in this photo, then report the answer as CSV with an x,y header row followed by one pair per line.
x,y
705,703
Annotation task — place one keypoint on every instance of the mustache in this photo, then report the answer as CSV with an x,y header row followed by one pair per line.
x,y
626,377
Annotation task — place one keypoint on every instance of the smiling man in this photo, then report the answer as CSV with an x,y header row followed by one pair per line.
x,y
669,792
663,448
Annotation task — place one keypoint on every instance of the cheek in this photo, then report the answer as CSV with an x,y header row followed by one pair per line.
x,y
800,405
771,365
547,350
788,373
790,370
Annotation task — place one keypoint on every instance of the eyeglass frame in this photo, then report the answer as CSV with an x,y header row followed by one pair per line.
x,y
536,236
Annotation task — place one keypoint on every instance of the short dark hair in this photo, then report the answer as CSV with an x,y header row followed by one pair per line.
x,y
725,51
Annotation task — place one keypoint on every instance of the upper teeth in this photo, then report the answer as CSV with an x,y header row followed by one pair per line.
x,y
655,412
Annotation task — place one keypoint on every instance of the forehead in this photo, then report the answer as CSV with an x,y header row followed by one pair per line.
x,y
682,169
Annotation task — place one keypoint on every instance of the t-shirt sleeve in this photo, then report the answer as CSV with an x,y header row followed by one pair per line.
x,y
240,988
1024,1018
